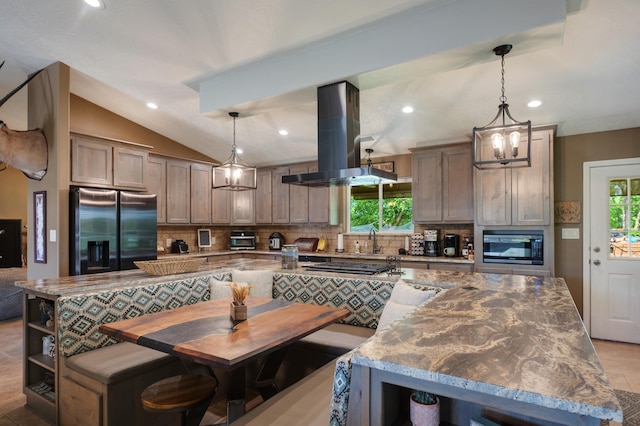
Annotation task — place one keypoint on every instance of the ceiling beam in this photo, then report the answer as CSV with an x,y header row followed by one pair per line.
x,y
435,27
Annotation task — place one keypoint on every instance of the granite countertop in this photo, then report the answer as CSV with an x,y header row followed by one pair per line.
x,y
382,257
131,278
517,337
520,338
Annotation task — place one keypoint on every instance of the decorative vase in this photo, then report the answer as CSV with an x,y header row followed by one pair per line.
x,y
238,312
424,415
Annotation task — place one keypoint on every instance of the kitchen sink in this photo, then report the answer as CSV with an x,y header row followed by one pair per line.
x,y
351,268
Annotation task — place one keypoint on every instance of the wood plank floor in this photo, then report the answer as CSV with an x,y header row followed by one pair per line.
x,y
621,362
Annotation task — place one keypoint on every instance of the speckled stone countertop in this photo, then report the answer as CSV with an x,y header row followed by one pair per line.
x,y
405,259
520,338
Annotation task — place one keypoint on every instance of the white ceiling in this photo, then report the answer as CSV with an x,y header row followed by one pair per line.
x,y
200,59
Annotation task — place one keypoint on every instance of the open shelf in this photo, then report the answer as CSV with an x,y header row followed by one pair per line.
x,y
43,361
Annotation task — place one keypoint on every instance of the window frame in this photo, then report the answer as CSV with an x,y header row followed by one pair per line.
x,y
379,231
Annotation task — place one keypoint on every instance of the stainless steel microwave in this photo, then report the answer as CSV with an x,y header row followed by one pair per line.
x,y
242,240
513,246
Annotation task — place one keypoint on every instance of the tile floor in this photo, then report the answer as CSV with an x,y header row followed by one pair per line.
x,y
621,362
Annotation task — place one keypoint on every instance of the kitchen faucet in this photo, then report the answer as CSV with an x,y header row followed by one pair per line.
x,y
375,249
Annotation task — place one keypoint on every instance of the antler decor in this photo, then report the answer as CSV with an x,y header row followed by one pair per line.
x,y
25,150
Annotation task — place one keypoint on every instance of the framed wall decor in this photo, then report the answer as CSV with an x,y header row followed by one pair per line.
x,y
40,226
567,212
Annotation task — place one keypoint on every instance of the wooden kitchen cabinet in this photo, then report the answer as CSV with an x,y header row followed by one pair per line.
x,y
108,164
91,161
243,208
442,184
518,196
280,197
130,168
178,191
157,173
200,193
221,206
298,198
263,197
319,202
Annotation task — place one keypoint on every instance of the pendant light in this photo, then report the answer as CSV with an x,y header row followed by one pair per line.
x,y
505,141
234,174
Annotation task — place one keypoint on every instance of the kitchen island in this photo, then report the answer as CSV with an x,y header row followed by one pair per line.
x,y
510,343
508,347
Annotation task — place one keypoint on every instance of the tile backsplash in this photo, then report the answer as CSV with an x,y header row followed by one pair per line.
x,y
389,243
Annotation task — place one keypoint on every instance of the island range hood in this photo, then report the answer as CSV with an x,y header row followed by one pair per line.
x,y
339,142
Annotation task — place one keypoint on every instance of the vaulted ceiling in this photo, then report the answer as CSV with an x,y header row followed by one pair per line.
x,y
199,60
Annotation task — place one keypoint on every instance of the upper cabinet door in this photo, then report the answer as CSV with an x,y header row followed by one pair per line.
x,y
91,162
130,168
319,204
263,196
457,185
201,193
298,198
157,172
521,195
221,206
178,192
531,186
426,186
280,206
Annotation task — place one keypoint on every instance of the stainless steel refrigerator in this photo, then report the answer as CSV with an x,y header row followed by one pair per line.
x,y
110,229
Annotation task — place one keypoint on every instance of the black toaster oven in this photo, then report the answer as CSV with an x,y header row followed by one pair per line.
x,y
242,240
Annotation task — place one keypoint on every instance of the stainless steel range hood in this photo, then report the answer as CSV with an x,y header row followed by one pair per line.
x,y
339,142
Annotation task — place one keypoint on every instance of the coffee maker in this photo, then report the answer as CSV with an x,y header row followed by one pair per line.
x,y
431,244
451,245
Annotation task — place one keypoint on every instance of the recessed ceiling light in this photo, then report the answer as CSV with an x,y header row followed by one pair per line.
x,y
152,105
98,4
239,150
534,103
283,132
408,109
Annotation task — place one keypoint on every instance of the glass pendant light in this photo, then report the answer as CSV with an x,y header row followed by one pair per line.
x,y
234,174
498,143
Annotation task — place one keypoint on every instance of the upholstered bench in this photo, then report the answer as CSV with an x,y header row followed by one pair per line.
x,y
304,403
107,382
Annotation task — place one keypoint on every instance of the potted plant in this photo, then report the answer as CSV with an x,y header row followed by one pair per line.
x,y
424,409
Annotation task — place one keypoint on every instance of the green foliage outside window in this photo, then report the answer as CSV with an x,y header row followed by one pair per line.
x,y
396,208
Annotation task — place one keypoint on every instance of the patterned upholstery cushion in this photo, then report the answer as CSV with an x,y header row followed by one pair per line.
x,y
363,298
340,392
80,316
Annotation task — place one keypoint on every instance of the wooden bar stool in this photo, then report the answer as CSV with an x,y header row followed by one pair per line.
x,y
188,394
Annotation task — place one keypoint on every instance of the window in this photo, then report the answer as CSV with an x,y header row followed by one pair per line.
x,y
624,217
384,208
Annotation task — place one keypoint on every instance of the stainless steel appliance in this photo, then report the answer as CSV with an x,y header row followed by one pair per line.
x,y
451,245
276,241
179,246
242,240
339,142
110,229
431,244
513,246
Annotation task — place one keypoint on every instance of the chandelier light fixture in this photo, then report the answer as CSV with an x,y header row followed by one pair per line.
x,y
234,174
505,141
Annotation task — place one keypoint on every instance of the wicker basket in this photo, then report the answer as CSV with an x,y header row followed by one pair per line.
x,y
170,267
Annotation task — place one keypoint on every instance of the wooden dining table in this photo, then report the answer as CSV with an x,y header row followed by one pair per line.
x,y
205,334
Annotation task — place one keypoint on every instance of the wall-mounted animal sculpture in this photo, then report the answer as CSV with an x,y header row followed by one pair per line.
x,y
25,150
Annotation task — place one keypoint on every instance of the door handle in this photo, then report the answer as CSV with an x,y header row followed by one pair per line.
x,y
596,262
